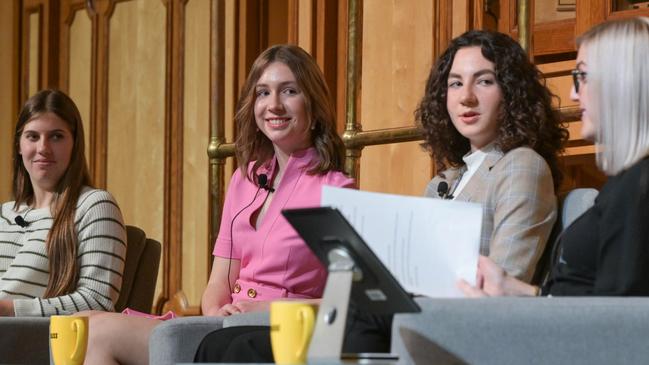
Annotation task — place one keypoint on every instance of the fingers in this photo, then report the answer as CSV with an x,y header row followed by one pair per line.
x,y
228,309
470,291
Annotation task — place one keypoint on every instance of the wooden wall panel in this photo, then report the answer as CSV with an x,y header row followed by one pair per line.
x,y
196,138
397,56
79,74
460,19
305,25
34,54
277,25
136,97
546,11
9,11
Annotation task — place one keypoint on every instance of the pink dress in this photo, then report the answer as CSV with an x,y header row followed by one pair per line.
x,y
275,262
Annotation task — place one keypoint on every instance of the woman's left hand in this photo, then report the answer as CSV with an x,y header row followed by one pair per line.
x,y
253,306
7,308
492,280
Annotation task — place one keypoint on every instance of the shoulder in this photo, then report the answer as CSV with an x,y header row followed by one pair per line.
x,y
522,160
7,207
238,181
633,182
7,213
522,155
338,178
90,197
96,202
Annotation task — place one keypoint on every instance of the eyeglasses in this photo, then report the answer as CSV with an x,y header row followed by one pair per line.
x,y
578,78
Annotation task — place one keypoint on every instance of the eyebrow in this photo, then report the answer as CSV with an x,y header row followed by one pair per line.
x,y
281,84
476,74
60,130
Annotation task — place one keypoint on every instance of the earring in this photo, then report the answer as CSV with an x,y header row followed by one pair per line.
x,y
312,127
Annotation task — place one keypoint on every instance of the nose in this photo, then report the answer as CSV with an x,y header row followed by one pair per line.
x,y
43,146
275,103
468,96
574,96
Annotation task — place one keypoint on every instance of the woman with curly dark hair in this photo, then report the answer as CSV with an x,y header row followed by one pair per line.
x,y
488,123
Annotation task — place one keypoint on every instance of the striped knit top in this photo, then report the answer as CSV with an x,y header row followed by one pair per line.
x,y
24,269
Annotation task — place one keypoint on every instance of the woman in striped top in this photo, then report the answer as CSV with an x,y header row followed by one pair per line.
x,y
62,243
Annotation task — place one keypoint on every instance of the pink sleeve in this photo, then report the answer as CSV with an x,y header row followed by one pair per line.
x,y
222,246
339,179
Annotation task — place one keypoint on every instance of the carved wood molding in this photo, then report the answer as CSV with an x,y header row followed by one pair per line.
x,y
173,155
104,10
293,21
69,9
47,45
324,40
179,304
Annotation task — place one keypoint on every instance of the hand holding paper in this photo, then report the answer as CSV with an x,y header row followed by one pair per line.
x,y
427,244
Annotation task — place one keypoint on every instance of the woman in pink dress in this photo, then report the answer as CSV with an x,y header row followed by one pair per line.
x,y
287,149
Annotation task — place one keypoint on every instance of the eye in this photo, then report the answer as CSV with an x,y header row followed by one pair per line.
x,y
486,82
57,136
291,91
261,92
454,84
30,136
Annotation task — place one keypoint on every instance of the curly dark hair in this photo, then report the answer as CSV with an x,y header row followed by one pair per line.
x,y
527,116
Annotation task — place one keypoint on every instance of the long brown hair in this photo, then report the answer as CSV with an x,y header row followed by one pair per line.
x,y
251,145
62,238
526,119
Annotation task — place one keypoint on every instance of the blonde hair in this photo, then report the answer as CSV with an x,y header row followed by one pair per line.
x,y
618,84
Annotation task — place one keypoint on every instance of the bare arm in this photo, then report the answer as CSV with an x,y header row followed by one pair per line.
x,y
217,293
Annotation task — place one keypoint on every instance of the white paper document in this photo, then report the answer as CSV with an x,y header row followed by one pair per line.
x,y
427,244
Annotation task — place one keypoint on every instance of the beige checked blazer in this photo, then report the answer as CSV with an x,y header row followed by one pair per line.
x,y
520,207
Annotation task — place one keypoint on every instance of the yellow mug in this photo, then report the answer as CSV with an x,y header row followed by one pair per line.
x,y
291,327
68,339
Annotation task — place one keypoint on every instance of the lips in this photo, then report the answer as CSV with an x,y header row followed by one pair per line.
x,y
277,123
43,162
470,117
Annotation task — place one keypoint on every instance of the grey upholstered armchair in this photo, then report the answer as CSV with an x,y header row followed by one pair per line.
x,y
26,340
176,341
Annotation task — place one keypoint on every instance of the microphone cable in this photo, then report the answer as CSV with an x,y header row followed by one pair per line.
x,y
262,180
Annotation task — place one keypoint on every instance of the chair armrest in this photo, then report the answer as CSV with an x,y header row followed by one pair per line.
x,y
247,319
573,330
24,340
177,340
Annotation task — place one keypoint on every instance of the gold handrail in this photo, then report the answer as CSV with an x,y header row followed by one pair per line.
x,y
361,139
354,62
524,27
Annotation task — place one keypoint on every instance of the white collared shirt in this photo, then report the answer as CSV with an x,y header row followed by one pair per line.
x,y
473,160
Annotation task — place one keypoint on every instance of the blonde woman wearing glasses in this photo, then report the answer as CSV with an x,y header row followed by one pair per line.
x,y
605,252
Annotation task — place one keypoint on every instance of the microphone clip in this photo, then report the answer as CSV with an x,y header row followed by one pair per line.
x,y
262,179
21,221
